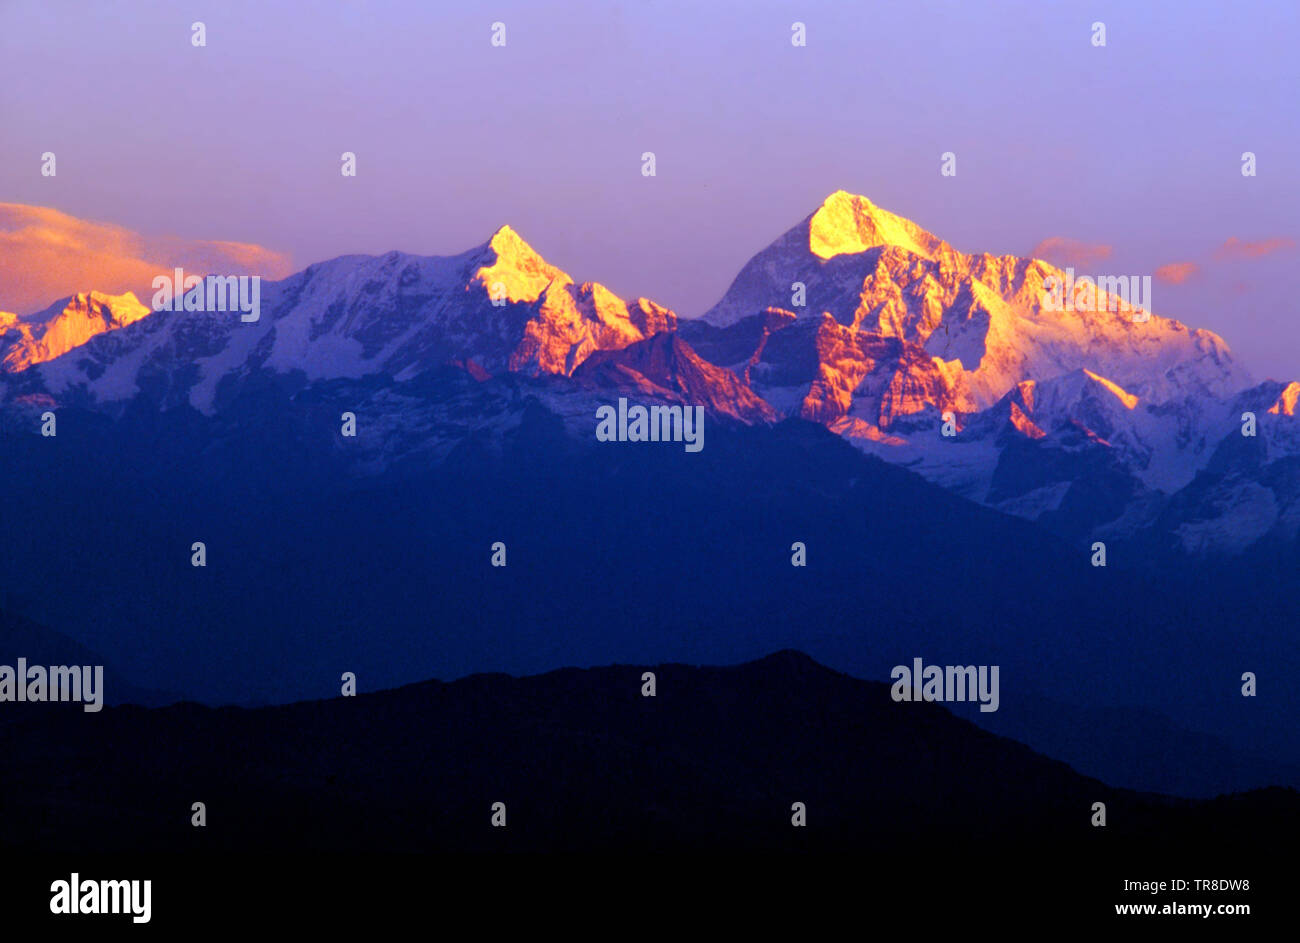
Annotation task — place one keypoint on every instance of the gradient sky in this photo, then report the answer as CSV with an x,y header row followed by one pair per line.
x,y
1136,146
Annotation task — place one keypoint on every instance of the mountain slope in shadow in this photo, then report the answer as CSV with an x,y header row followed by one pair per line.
x,y
624,554
583,762
22,638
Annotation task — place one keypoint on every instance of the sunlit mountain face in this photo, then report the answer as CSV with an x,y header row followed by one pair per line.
x,y
66,324
1098,420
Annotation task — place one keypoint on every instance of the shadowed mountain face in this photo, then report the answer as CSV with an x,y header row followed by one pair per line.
x,y
20,638
620,553
665,367
582,762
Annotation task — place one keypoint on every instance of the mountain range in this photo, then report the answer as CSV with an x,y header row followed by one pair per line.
x,y
1113,424
475,381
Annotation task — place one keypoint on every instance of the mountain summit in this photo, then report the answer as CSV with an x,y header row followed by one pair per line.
x,y
982,318
846,224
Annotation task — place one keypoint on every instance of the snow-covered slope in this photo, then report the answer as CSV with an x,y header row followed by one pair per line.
x,y
499,306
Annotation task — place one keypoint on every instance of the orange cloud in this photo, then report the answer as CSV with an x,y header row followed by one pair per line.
x,y
46,255
1235,248
1063,251
1177,272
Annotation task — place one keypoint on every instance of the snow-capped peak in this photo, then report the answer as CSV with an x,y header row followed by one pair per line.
x,y
986,319
65,325
846,224
518,273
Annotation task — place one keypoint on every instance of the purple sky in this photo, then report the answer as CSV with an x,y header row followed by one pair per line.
x,y
1135,146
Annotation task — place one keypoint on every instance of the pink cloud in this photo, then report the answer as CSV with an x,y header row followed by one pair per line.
x,y
47,255
1175,273
1235,248
1063,251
